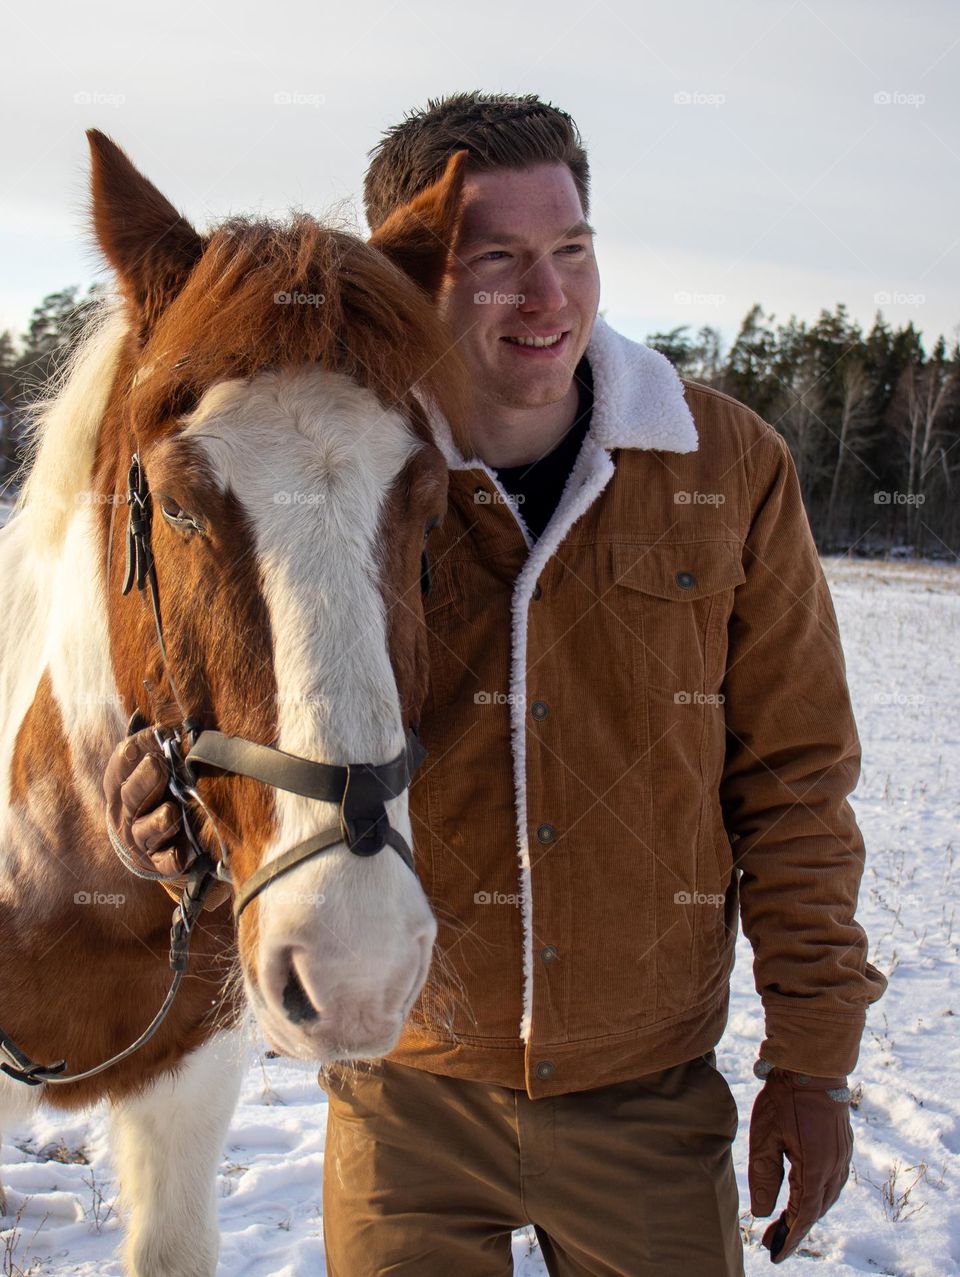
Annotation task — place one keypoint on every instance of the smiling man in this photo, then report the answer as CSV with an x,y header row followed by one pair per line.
x,y
522,230
639,732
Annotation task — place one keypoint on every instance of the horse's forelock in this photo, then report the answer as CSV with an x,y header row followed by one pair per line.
x,y
285,295
228,323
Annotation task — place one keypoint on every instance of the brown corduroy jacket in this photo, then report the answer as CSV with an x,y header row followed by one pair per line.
x,y
639,728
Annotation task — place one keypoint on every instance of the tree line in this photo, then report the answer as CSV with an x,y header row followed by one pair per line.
x,y
872,420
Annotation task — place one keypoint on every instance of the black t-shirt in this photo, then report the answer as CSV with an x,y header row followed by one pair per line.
x,y
538,484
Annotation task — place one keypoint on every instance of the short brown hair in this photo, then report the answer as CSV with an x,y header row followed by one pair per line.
x,y
498,130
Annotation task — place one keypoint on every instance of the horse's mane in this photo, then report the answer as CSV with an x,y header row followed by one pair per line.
x,y
63,424
230,321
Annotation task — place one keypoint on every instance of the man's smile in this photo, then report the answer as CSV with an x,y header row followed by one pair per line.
x,y
547,346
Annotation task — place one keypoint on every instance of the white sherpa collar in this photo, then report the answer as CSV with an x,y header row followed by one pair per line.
x,y
638,401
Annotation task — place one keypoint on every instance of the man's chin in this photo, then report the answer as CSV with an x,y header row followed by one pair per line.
x,y
536,388
527,396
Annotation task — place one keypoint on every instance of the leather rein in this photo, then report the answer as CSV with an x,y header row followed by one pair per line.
x,y
361,791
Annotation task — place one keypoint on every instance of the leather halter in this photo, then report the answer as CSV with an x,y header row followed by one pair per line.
x,y
360,789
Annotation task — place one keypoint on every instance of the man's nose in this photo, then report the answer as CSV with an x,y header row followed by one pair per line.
x,y
541,288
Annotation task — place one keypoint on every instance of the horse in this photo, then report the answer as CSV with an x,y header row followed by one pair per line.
x,y
281,391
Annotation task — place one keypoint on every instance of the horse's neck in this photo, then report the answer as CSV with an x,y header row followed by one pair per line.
x,y
60,711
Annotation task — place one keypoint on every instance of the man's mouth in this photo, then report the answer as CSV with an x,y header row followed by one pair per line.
x,y
538,345
550,340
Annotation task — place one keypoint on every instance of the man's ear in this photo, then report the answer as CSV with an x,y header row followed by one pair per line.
x,y
419,236
151,246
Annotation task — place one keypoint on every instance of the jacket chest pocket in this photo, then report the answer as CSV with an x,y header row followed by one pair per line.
x,y
677,599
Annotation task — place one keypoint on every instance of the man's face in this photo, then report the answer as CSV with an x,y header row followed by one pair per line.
x,y
523,267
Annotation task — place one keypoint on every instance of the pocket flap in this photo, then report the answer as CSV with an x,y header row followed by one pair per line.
x,y
681,573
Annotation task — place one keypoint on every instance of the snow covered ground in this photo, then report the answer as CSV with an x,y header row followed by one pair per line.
x,y
900,1212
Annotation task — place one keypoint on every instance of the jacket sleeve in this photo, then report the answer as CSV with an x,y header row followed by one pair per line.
x,y
792,758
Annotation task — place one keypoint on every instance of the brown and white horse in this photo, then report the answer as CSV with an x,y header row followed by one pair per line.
x,y
279,383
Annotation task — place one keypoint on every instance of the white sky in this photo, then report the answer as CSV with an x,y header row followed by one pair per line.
x,y
782,182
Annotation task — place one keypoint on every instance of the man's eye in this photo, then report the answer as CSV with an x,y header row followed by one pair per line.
x,y
494,253
577,248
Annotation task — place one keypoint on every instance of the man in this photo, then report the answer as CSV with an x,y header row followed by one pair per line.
x,y
638,727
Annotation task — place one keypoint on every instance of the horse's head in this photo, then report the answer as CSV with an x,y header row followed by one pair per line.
x,y
276,385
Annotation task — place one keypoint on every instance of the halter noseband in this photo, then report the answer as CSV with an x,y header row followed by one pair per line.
x,y
360,789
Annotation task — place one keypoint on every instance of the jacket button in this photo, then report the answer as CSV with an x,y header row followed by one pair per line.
x,y
539,709
686,580
549,953
546,1070
546,833
536,591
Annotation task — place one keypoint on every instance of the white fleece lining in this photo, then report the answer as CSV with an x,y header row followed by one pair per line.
x,y
638,402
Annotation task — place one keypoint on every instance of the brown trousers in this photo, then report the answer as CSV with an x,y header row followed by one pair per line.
x,y
427,1176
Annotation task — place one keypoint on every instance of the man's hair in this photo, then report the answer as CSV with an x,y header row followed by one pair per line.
x,y
498,131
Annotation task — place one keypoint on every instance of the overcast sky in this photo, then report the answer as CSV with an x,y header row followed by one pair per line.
x,y
786,152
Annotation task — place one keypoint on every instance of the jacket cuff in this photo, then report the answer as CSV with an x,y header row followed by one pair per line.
x,y
805,1042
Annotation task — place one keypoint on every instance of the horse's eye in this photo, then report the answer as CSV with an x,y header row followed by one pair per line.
x,y
176,516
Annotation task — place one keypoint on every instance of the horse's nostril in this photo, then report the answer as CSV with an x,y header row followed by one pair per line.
x,y
296,1003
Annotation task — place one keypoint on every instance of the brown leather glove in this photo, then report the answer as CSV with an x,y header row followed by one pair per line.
x,y
794,1115
149,826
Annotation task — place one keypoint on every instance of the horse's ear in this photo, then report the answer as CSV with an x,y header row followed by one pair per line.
x,y
419,236
151,246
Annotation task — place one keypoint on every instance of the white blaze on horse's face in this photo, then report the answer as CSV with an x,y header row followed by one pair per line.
x,y
343,942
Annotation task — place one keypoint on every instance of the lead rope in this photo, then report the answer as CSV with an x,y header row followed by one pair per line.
x,y
21,1068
